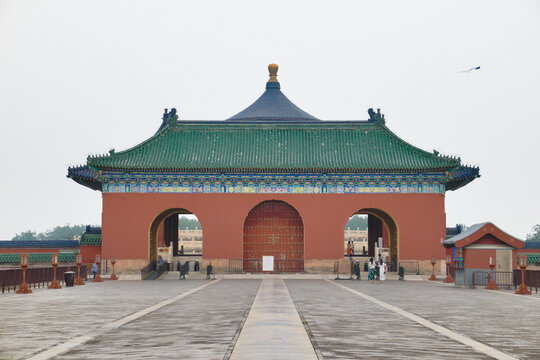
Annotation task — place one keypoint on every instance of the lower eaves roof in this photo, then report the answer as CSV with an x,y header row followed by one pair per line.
x,y
321,147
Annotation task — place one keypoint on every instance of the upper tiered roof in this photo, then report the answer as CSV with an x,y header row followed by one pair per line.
x,y
274,136
273,105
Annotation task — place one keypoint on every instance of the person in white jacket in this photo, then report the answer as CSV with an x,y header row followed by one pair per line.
x,y
382,271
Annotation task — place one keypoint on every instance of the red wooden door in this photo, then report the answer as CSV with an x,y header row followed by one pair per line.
x,y
274,228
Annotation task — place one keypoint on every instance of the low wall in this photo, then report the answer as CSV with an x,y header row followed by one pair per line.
x,y
311,266
129,266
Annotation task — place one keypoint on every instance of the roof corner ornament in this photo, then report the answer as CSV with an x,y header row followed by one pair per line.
x,y
272,70
376,117
170,118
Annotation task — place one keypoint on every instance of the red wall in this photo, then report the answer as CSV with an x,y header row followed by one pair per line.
x,y
489,240
420,220
477,258
89,253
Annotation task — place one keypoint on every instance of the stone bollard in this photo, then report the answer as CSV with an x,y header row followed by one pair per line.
x,y
78,260
113,275
433,277
23,288
523,265
98,278
54,263
491,283
448,263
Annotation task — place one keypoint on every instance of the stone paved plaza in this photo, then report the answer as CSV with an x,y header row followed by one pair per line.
x,y
270,318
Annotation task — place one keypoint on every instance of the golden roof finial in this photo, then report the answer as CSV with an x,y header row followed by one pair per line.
x,y
272,69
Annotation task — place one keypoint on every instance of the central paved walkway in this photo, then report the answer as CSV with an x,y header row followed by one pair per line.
x,y
273,329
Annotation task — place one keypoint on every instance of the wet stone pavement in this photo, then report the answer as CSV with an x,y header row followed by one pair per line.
x,y
200,326
34,322
348,327
197,319
507,322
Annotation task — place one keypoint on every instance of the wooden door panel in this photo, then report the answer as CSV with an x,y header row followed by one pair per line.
x,y
274,228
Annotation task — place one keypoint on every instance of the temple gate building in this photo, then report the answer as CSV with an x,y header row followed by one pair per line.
x,y
276,181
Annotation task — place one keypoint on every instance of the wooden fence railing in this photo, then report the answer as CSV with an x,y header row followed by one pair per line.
x,y
10,279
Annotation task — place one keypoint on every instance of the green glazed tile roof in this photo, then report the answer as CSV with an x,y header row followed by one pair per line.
x,y
90,239
37,257
317,147
531,258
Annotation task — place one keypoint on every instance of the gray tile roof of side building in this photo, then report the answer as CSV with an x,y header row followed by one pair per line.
x,y
471,230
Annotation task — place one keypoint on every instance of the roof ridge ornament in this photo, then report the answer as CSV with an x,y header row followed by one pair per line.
x,y
376,117
171,117
272,70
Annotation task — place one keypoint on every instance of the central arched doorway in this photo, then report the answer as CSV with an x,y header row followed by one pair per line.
x,y
372,232
274,228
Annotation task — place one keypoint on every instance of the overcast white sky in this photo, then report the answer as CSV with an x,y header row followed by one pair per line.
x,y
79,78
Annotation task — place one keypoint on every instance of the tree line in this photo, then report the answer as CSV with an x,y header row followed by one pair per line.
x,y
65,232
357,222
187,223
534,235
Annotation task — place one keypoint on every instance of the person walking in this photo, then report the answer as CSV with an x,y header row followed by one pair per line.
x,y
382,272
160,263
94,269
371,275
349,254
349,250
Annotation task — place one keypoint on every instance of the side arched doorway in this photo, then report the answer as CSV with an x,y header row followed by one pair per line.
x,y
274,228
169,220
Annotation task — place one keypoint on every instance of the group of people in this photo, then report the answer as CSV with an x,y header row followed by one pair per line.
x,y
377,269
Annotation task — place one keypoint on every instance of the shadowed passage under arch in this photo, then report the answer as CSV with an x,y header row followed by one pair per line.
x,y
274,228
154,229
377,219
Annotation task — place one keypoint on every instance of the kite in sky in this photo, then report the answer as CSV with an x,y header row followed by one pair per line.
x,y
471,69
